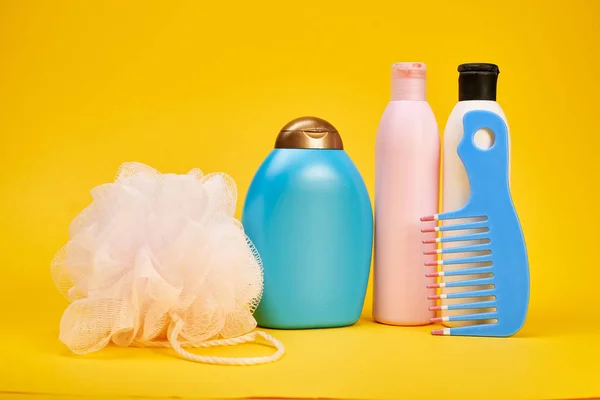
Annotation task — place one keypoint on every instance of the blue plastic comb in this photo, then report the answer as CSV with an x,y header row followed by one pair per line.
x,y
500,235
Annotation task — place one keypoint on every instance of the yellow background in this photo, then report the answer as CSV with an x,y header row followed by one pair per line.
x,y
85,86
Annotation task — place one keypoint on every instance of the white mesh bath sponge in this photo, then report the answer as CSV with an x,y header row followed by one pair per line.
x,y
159,260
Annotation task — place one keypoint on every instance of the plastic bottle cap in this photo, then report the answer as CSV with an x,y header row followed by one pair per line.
x,y
309,133
477,81
408,81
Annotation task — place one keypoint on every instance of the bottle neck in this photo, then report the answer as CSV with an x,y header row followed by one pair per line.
x,y
408,82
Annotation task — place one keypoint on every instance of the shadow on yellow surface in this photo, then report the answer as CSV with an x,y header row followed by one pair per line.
x,y
365,361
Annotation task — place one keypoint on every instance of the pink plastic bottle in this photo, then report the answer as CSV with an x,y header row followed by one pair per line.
x,y
406,189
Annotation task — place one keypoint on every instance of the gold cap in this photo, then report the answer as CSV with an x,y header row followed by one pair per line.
x,y
309,133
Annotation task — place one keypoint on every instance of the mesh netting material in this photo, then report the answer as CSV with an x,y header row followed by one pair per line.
x,y
158,260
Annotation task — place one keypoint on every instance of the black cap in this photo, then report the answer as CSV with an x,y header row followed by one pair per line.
x,y
477,81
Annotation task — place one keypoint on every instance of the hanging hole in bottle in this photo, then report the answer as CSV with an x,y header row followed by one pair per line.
x,y
484,139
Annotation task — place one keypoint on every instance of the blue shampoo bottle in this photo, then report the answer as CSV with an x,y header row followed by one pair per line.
x,y
309,215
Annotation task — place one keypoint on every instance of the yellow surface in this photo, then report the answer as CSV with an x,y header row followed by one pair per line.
x,y
85,86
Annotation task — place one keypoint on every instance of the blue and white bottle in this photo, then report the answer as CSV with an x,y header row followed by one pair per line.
x,y
310,217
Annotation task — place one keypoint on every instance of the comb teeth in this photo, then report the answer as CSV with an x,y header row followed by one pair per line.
x,y
480,329
459,249
464,260
483,224
432,252
457,227
470,282
463,295
470,258
465,306
452,215
459,238
467,317
460,272
465,226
